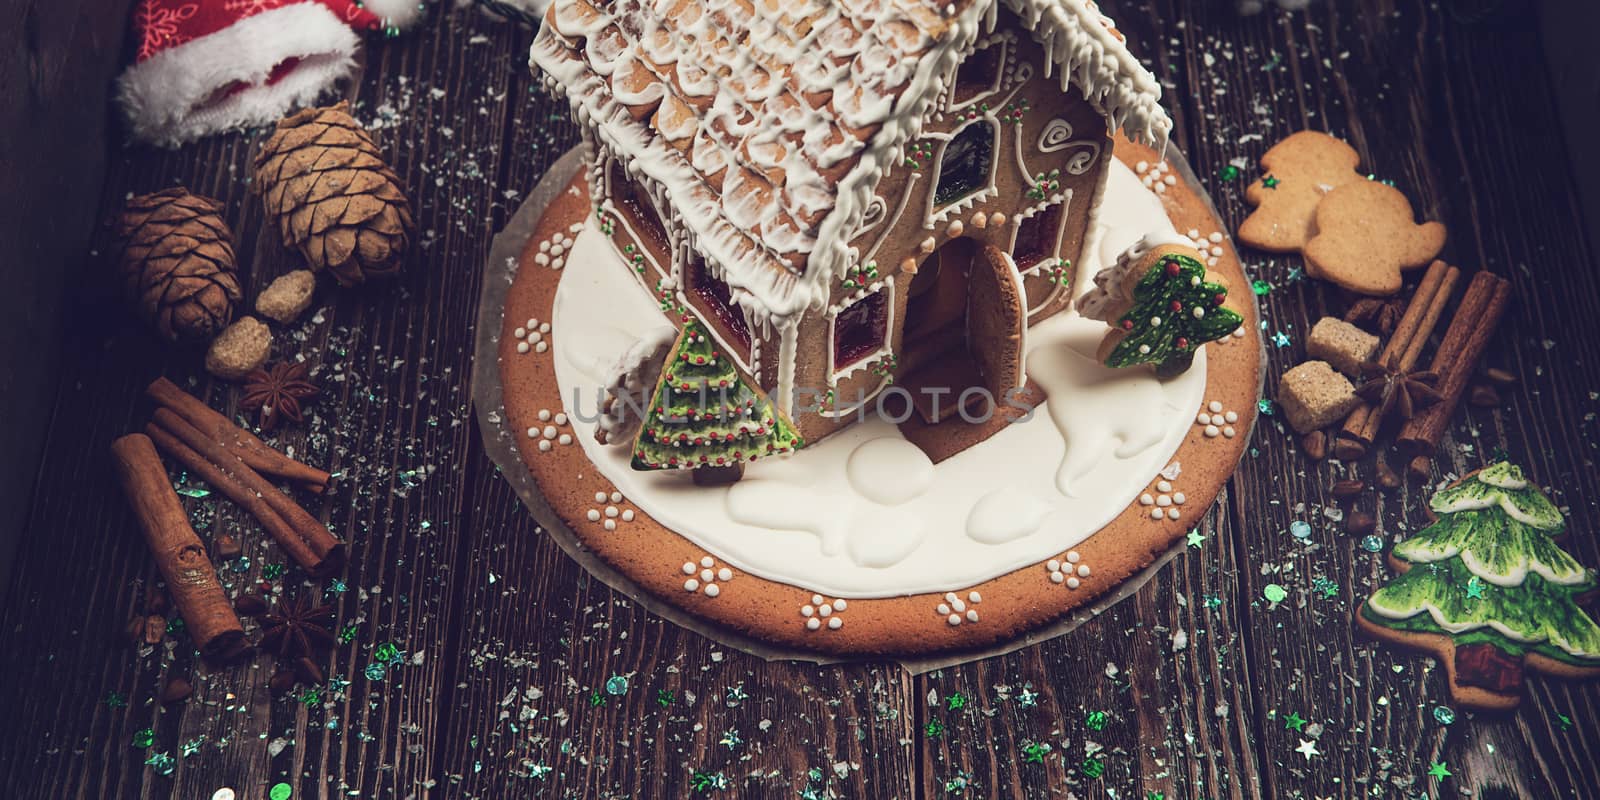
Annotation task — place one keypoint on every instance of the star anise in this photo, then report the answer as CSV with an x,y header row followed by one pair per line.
x,y
276,392
1391,390
296,628
1379,315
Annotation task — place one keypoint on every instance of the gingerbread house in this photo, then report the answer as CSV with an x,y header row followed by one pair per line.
x,y
851,194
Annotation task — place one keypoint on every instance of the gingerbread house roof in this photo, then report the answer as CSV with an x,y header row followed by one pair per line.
x,y
770,122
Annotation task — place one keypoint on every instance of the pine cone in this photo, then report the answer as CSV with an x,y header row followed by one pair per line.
x,y
177,263
335,200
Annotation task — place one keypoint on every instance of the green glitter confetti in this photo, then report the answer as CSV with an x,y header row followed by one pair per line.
x,y
1293,722
348,633
1027,698
389,654
1274,593
162,763
1372,543
280,791
1195,538
272,571
115,700
1096,720
1438,771
1155,796
1034,752
241,564
1270,182
730,739
1260,287
707,781
198,494
175,625
933,730
1228,172
1443,715
540,770
1300,529
310,698
665,697
1093,768
375,671
336,586
1213,601
1324,586
144,737
1564,721
1281,339
596,699
617,685
737,695
1264,405
956,701
1296,275
191,747
1475,588
959,784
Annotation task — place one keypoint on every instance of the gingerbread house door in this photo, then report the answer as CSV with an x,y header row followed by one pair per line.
x,y
963,330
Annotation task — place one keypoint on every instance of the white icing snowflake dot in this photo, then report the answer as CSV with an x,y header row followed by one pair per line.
x,y
1070,573
955,610
822,612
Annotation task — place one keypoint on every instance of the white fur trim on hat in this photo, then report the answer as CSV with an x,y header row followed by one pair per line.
x,y
399,13
173,96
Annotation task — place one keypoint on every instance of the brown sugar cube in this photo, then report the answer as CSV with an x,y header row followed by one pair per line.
x,y
240,348
1341,344
288,296
1313,396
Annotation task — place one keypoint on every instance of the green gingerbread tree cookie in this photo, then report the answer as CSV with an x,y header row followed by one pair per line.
x,y
1175,311
704,416
1486,588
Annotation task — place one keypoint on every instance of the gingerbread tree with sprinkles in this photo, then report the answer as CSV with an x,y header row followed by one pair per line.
x,y
1487,588
1175,311
705,417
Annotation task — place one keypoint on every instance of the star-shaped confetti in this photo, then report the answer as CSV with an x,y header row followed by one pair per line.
x,y
1264,405
1093,768
540,770
1296,274
1307,748
730,739
1195,538
664,697
1438,771
1293,721
956,701
1027,698
1271,181
1475,588
1281,339
1033,752
1096,720
933,730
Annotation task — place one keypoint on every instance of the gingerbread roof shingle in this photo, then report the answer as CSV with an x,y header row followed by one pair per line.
x,y
769,122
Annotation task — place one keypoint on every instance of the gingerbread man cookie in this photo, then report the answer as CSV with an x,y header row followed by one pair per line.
x,y
1295,175
1366,237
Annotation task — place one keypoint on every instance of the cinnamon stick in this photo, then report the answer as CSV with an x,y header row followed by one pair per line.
x,y
251,450
1457,358
179,555
1402,351
302,537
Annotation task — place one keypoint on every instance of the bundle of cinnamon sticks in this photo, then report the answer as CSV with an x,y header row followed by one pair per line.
x,y
1448,374
234,462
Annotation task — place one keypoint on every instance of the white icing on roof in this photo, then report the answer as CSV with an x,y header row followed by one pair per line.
x,y
768,122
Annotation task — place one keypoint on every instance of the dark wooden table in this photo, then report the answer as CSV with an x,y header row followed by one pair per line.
x,y
509,645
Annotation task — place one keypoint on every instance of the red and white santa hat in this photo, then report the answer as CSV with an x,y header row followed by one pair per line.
x,y
206,66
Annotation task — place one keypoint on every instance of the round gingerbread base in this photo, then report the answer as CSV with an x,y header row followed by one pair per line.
x,y
810,616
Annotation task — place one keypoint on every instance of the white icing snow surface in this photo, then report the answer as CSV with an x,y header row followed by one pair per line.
x,y
863,513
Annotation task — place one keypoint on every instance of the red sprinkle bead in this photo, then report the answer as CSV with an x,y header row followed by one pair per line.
x,y
1173,269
